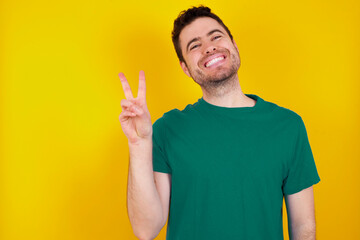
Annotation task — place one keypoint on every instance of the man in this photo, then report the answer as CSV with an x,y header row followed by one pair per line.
x,y
220,168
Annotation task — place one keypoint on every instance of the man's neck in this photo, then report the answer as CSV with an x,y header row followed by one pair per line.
x,y
229,95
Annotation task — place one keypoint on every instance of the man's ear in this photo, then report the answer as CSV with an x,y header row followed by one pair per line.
x,y
184,68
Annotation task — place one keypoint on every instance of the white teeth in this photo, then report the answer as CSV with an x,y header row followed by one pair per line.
x,y
213,61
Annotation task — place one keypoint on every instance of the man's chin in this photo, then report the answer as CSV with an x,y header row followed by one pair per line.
x,y
220,77
214,81
215,77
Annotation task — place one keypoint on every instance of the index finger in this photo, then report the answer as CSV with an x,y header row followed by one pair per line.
x,y
126,86
142,86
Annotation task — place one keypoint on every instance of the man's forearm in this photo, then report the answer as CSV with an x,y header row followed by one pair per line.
x,y
143,201
303,232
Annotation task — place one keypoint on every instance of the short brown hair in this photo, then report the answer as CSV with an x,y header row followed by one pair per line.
x,y
188,16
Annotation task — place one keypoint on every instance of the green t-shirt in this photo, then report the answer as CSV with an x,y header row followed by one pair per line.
x,y
230,168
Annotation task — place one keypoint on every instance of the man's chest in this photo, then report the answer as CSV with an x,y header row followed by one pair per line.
x,y
221,148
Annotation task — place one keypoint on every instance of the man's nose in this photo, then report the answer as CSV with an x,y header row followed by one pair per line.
x,y
210,49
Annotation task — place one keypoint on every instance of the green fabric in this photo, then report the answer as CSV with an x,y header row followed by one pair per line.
x,y
231,168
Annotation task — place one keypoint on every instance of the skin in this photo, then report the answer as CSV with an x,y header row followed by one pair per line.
x,y
301,215
147,202
219,82
135,118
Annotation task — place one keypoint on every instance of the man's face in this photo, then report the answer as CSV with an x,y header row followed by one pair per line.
x,y
211,57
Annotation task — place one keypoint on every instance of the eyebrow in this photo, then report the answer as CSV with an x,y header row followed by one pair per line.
x,y
198,38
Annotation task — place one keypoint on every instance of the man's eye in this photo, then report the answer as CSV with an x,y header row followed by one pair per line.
x,y
216,37
194,46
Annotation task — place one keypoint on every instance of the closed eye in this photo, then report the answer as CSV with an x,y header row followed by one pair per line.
x,y
216,37
195,46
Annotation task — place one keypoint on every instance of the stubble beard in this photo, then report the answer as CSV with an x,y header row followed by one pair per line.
x,y
221,81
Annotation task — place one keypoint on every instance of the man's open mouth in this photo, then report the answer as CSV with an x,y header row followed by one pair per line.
x,y
214,60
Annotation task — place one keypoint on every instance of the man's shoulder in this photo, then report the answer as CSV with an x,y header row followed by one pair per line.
x,y
284,113
177,115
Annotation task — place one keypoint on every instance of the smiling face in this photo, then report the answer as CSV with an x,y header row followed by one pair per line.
x,y
211,57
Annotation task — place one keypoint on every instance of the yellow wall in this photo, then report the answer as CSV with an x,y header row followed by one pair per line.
x,y
64,157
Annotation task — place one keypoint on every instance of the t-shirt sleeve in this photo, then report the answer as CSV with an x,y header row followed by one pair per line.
x,y
302,172
160,161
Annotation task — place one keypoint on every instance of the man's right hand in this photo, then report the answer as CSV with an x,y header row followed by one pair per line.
x,y
135,118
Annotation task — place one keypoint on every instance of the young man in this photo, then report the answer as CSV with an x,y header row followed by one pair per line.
x,y
220,168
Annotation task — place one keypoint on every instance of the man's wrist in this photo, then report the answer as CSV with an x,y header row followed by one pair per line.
x,y
140,143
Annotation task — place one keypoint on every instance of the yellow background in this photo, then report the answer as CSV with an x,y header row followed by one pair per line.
x,y
64,157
